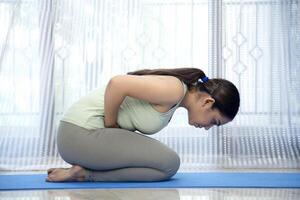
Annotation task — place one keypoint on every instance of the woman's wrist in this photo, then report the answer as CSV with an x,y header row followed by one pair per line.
x,y
116,125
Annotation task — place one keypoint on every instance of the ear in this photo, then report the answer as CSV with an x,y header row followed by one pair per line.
x,y
208,102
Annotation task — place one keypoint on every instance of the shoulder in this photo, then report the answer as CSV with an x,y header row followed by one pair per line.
x,y
158,89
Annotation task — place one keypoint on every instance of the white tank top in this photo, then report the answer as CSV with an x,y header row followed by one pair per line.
x,y
134,114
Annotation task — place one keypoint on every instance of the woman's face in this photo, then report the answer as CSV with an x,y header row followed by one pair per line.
x,y
200,113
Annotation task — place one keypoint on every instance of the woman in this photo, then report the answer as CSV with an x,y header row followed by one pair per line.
x,y
97,133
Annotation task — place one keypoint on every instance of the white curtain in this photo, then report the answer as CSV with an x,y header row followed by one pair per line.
x,y
53,52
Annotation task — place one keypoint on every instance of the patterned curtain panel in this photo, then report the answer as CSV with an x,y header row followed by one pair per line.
x,y
54,52
260,53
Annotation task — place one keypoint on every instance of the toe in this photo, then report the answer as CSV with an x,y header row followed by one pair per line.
x,y
47,179
50,170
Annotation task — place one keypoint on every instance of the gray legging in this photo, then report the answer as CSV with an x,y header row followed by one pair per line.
x,y
113,154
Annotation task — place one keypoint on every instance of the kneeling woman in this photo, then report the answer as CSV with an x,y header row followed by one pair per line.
x,y
97,134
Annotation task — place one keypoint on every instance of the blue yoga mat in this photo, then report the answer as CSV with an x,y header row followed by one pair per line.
x,y
180,180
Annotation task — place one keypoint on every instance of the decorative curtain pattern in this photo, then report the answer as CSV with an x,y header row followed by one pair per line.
x,y
53,52
260,42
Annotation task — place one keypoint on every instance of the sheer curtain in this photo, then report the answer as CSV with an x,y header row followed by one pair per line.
x,y
260,42
54,52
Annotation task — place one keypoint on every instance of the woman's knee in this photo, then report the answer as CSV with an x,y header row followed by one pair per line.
x,y
171,165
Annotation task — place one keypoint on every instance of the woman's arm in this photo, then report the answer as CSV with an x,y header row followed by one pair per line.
x,y
154,89
113,98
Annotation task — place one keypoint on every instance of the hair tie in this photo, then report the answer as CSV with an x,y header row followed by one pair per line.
x,y
203,80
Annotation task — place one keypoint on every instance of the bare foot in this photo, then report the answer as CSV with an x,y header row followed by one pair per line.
x,y
49,171
75,173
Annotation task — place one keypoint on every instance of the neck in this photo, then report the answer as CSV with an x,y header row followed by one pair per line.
x,y
190,97
185,101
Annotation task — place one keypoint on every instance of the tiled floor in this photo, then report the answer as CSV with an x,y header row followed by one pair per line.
x,y
151,194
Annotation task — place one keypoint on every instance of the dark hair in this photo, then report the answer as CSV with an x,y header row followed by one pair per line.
x,y
225,94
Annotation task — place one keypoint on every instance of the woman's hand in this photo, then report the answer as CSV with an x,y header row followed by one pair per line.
x,y
116,125
110,124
